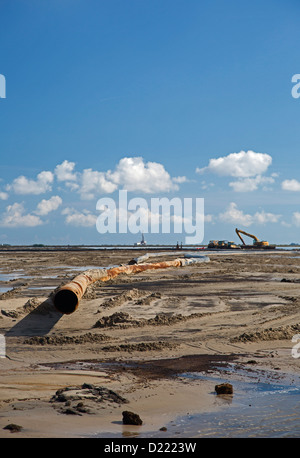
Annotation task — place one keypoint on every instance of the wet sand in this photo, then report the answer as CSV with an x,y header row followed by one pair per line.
x,y
132,340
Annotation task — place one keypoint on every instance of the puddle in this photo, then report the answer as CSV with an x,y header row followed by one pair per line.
x,y
77,268
4,290
41,287
16,275
260,410
9,277
264,404
255,410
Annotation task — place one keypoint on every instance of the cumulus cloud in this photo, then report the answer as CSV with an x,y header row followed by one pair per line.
x,y
3,195
233,215
133,174
64,171
23,185
243,164
290,185
250,183
94,182
180,180
265,217
236,216
296,219
15,216
130,173
46,206
75,218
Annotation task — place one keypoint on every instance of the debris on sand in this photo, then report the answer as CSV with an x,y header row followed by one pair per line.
x,y
86,398
13,428
131,418
224,388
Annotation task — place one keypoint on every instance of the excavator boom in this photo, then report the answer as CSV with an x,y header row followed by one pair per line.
x,y
256,241
238,231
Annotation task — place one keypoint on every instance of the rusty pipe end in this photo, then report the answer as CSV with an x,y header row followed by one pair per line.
x,y
66,301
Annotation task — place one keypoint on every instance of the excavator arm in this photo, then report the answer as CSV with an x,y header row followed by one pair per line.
x,y
238,233
256,240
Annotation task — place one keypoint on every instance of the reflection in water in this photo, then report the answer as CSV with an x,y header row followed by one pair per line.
x,y
256,410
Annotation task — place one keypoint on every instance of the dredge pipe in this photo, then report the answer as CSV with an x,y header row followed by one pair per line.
x,y
66,299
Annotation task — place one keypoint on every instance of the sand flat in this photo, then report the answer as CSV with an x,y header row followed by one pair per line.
x,y
136,335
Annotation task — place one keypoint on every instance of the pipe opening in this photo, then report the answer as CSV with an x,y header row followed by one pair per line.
x,y
66,301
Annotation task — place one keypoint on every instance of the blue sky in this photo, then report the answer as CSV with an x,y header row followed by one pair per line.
x,y
132,94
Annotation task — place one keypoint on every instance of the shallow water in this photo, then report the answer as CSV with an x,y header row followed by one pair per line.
x,y
40,287
255,410
260,410
15,275
4,289
9,277
264,404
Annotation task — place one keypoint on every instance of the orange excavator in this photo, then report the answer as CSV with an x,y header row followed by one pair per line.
x,y
256,242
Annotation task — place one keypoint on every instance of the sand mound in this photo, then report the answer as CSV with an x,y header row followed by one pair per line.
x,y
124,320
143,346
30,306
123,297
280,333
62,340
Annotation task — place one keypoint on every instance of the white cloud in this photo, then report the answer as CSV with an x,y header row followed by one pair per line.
x,y
15,216
180,180
64,171
76,218
290,185
94,182
3,195
243,164
46,206
296,218
263,218
250,183
285,224
205,185
133,174
208,218
235,216
23,185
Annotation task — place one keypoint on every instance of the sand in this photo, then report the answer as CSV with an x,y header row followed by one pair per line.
x,y
132,340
